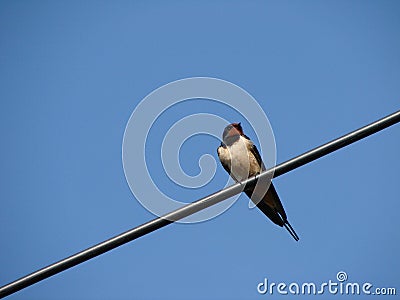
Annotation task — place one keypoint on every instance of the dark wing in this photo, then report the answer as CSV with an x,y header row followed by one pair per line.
x,y
258,157
272,207
256,154
224,163
272,199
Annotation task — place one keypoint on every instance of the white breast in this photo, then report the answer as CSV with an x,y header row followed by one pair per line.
x,y
239,158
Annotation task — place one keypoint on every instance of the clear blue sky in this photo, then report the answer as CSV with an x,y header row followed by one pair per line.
x,y
72,72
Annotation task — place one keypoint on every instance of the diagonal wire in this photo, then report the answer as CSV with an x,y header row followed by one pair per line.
x,y
196,206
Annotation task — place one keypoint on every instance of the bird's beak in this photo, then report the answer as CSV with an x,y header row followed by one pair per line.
x,y
233,132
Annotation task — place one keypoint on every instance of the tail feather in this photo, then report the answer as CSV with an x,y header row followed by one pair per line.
x,y
272,207
291,231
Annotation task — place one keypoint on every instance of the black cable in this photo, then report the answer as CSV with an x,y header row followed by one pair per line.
x,y
196,206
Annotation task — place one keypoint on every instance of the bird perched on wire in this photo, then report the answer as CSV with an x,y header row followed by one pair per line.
x,y
241,159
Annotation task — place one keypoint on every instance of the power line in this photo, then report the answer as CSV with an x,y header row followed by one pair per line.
x,y
196,206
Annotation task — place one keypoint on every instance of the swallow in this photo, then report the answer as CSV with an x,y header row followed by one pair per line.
x,y
241,159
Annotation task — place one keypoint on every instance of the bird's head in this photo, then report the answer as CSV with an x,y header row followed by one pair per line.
x,y
232,132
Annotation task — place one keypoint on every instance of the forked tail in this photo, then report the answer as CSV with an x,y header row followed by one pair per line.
x,y
291,230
